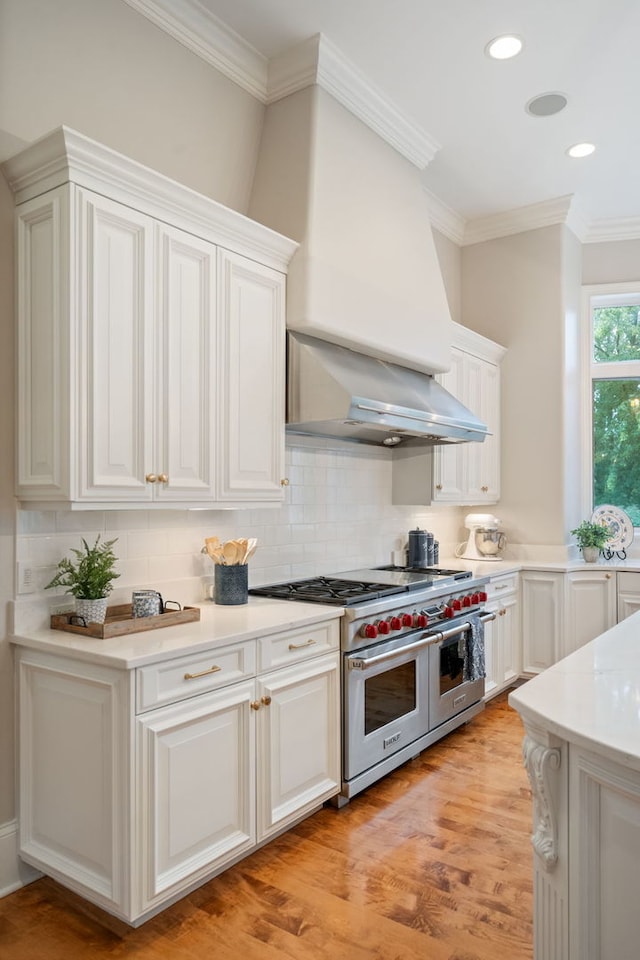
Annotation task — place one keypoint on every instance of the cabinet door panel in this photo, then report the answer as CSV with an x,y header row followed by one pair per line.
x,y
115,398
591,607
542,617
251,407
298,741
43,345
197,786
185,362
449,477
73,778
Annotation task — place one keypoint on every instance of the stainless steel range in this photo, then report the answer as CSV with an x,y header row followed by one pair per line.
x,y
412,645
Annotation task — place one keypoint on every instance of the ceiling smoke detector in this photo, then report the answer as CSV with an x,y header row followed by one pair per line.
x,y
546,104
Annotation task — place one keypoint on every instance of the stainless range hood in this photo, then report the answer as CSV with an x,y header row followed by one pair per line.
x,y
338,393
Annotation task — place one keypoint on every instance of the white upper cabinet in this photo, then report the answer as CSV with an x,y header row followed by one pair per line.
x,y
251,348
469,473
459,473
151,337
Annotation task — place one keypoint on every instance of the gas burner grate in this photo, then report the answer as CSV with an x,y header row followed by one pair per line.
x,y
331,590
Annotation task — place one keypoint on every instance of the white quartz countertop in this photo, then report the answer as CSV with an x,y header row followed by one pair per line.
x,y
218,626
592,697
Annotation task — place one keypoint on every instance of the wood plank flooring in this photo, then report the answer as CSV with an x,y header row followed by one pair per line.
x,y
432,863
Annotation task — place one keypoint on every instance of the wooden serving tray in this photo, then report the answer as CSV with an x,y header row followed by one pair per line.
x,y
120,621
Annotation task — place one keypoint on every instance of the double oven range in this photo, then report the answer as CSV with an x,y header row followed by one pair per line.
x,y
412,645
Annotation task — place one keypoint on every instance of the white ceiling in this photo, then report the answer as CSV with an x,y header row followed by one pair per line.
x,y
427,58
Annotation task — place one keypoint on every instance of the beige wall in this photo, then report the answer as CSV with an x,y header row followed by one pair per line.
x,y
513,291
615,262
105,70
101,68
450,260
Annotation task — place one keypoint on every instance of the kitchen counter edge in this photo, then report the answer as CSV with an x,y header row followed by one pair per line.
x,y
218,626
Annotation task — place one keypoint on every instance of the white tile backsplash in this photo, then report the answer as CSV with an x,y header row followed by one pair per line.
x,y
337,515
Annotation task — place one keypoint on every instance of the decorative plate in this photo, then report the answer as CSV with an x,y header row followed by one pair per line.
x,y
619,524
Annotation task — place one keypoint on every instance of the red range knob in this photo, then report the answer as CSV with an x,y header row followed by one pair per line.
x,y
448,612
369,630
395,623
383,626
457,604
407,619
475,598
466,601
421,620
482,597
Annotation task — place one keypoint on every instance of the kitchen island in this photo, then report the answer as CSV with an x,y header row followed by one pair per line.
x,y
582,754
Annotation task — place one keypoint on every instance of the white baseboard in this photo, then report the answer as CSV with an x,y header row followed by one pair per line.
x,y
13,872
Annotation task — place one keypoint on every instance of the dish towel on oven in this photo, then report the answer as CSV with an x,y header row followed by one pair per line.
x,y
474,668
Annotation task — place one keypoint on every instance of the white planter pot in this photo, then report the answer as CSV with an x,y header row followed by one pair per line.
x,y
92,611
590,554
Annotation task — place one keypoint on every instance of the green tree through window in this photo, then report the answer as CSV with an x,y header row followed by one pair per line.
x,y
616,407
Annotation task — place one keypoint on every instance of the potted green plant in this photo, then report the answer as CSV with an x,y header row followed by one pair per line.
x,y
591,539
89,578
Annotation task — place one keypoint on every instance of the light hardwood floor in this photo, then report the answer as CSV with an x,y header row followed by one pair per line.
x,y
431,863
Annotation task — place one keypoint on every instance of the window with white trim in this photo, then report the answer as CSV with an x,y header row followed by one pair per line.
x,y
614,407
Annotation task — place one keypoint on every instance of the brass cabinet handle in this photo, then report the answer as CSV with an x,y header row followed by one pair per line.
x,y
204,673
284,482
266,701
484,489
151,478
163,478
301,646
607,576
438,486
255,704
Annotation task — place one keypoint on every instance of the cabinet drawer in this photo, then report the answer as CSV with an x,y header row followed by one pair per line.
x,y
184,677
279,649
500,585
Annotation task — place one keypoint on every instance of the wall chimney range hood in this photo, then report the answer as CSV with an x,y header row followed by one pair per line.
x,y
367,312
335,392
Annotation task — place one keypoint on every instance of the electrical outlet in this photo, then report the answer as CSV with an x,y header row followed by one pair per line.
x,y
26,578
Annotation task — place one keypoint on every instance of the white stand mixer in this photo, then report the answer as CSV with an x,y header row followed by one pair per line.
x,y
485,540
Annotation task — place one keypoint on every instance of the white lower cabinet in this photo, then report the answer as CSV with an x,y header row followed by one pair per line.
x,y
590,605
628,594
542,618
137,786
502,635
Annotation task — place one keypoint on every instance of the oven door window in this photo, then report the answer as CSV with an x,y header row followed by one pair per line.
x,y
452,660
389,695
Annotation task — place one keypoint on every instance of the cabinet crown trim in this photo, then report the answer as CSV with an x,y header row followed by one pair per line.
x,y
66,155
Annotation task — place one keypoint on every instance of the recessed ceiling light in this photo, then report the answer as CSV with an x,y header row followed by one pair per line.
x,y
502,48
581,150
546,104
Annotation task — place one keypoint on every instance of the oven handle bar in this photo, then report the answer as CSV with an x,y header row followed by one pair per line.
x,y
357,663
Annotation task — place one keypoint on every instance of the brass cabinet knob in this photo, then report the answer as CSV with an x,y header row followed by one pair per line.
x,y
266,701
438,486
284,482
151,478
607,576
163,478
255,704
485,489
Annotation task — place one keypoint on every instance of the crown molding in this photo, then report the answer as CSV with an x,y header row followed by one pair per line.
x,y
608,231
66,156
315,60
531,217
318,60
192,25
445,220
